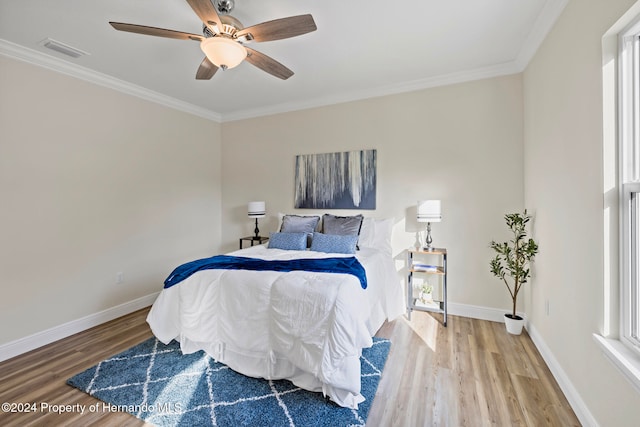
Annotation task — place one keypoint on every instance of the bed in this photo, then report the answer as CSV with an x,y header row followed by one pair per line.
x,y
306,326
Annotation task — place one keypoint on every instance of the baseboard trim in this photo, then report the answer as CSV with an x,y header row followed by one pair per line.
x,y
479,312
497,315
577,404
23,345
39,339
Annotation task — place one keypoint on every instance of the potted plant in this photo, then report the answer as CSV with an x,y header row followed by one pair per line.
x,y
511,263
426,294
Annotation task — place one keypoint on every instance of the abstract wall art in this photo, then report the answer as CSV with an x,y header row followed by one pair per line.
x,y
345,180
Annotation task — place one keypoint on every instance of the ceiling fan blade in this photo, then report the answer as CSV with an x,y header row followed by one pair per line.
x,y
268,64
206,70
280,28
207,13
153,31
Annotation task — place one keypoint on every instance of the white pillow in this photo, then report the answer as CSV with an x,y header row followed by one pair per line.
x,y
376,233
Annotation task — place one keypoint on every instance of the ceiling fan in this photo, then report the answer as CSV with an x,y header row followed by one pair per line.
x,y
224,38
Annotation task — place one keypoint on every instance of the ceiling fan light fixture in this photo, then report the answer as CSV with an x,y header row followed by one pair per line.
x,y
223,52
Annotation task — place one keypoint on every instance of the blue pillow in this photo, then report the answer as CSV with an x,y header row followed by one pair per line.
x,y
334,243
288,241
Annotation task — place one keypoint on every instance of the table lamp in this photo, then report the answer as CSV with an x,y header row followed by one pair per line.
x,y
429,211
256,210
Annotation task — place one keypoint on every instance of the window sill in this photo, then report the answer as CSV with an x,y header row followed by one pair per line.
x,y
626,360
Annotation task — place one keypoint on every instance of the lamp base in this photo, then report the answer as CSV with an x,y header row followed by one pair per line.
x,y
428,240
257,231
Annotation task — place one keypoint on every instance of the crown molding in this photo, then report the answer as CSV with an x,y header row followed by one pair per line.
x,y
545,21
40,59
411,86
34,57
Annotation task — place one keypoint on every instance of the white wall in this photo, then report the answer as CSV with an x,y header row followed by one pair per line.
x,y
563,115
461,144
95,182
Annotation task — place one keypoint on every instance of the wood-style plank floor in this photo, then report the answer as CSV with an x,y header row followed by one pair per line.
x,y
471,373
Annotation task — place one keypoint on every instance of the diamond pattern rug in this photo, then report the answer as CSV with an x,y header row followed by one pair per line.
x,y
162,386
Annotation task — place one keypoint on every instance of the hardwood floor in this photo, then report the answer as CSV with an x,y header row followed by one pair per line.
x,y
471,373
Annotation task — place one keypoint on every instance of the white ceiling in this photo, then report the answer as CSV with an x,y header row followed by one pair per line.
x,y
362,48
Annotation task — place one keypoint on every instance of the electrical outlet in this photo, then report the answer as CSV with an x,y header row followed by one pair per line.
x,y
119,277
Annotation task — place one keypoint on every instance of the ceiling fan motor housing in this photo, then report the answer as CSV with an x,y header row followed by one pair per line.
x,y
230,26
224,6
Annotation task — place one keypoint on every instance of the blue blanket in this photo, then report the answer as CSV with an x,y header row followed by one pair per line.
x,y
349,265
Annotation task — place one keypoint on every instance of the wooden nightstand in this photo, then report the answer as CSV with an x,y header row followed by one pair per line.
x,y
254,240
419,267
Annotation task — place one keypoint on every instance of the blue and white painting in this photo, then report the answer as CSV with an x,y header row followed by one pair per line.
x,y
345,180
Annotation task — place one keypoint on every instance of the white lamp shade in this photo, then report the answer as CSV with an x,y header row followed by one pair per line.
x,y
223,52
257,209
429,211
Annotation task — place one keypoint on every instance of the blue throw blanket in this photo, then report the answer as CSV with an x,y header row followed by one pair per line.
x,y
349,265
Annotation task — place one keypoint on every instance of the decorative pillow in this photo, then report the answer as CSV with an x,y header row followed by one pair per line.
x,y
376,233
334,243
300,224
288,241
342,225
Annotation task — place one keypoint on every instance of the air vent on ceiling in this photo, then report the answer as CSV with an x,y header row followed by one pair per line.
x,y
63,48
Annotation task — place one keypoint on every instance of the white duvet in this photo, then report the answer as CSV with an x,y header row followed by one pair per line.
x,y
303,326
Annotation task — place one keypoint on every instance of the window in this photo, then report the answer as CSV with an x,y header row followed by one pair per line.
x,y
629,149
619,334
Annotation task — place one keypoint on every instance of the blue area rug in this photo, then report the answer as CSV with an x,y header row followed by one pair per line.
x,y
160,385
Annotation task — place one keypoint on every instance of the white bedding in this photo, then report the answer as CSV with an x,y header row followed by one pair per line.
x,y
307,327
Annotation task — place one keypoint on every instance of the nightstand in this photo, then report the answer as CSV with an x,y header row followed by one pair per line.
x,y
254,240
424,264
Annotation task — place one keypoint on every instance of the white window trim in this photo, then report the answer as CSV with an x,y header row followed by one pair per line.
x,y
622,357
629,270
623,354
629,178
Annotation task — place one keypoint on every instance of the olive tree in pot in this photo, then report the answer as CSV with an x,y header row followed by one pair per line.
x,y
511,263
